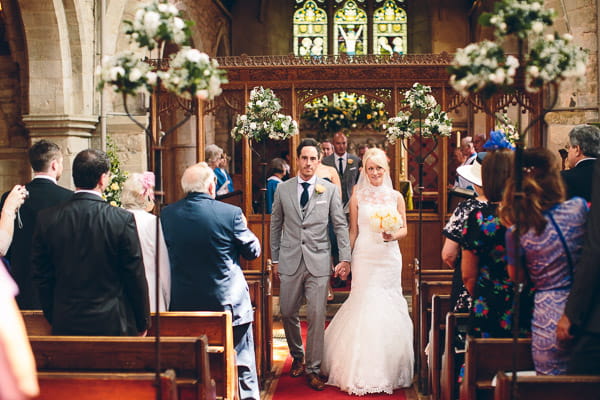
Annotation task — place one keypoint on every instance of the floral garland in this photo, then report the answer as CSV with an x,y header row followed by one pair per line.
x,y
345,111
484,68
190,74
263,119
421,102
112,193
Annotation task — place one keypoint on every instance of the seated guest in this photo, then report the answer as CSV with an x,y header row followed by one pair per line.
x,y
18,380
484,258
277,174
138,198
87,261
205,239
10,207
579,327
214,158
551,238
583,148
224,170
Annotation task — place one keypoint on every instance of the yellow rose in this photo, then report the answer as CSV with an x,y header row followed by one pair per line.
x,y
350,161
319,189
114,186
113,203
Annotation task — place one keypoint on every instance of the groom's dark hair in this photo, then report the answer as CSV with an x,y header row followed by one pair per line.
x,y
306,143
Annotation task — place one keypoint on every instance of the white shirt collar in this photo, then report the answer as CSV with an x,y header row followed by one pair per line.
x,y
89,191
48,177
584,159
311,181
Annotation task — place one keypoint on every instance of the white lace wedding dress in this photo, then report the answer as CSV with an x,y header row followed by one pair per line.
x,y
369,342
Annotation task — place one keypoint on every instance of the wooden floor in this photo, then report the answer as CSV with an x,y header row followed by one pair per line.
x,y
281,352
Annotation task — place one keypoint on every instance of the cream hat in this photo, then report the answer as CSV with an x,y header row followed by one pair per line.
x,y
472,172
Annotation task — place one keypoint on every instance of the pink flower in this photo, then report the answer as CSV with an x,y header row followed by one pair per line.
x,y
148,182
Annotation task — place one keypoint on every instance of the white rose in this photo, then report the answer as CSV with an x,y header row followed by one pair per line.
x,y
173,10
151,22
151,77
537,27
253,125
549,37
503,27
163,7
115,72
178,23
135,74
193,55
534,71
568,37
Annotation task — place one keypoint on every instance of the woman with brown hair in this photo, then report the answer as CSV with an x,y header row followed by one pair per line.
x,y
551,232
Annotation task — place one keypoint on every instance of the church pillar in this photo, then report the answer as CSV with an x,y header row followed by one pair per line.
x,y
71,132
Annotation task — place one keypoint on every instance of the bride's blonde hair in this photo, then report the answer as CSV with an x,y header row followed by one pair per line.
x,y
378,156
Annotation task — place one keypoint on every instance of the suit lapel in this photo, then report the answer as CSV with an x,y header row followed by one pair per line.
x,y
312,200
293,195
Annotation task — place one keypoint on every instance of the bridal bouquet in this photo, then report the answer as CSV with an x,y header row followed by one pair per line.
x,y
385,219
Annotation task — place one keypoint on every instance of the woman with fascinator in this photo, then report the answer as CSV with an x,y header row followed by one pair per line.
x,y
138,198
369,342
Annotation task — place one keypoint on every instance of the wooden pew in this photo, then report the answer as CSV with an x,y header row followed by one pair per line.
x,y
557,387
440,306
217,326
422,317
448,379
484,358
103,386
188,357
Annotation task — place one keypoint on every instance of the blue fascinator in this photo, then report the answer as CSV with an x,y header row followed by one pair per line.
x,y
498,141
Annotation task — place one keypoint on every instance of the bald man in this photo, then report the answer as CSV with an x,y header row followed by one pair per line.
x,y
205,239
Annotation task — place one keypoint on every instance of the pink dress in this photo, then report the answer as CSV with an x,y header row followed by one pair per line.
x,y
8,387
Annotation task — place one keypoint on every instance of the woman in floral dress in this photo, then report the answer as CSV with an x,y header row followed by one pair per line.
x,y
484,259
551,241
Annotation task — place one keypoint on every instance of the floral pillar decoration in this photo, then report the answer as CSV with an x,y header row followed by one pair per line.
x,y
545,58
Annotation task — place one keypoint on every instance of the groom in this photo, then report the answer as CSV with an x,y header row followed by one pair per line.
x,y
300,250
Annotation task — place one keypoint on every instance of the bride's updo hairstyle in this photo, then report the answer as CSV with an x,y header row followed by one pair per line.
x,y
378,156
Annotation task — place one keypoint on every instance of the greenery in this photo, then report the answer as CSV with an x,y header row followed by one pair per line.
x,y
263,119
112,193
344,111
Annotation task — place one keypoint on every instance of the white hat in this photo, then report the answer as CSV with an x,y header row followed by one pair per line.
x,y
471,172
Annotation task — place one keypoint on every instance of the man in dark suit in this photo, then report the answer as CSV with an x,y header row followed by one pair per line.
x,y
581,319
46,161
87,261
205,238
347,166
583,148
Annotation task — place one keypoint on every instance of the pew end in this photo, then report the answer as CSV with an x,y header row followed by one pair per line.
x,y
558,387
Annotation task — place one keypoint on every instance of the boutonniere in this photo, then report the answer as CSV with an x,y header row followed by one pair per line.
x,y
319,189
350,161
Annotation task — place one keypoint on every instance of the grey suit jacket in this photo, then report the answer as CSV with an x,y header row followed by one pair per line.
x,y
350,174
295,236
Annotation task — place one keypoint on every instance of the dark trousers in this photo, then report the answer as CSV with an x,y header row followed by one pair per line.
x,y
243,342
585,358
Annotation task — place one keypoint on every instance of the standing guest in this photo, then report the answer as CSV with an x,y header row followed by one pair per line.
x,y
326,148
468,155
87,261
214,158
583,148
46,161
361,150
138,198
223,170
277,173
478,142
205,239
484,258
18,379
13,201
300,248
551,239
285,155
581,320
346,164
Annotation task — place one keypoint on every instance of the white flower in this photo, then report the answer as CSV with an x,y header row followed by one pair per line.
x,y
537,27
193,55
252,125
151,22
202,94
115,72
135,74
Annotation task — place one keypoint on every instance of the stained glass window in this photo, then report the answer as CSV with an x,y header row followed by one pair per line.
x,y
389,29
310,30
350,29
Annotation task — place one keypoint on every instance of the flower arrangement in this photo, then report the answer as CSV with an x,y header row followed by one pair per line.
x,y
112,193
126,73
552,58
192,72
263,119
156,23
385,219
483,67
406,124
506,126
518,17
345,111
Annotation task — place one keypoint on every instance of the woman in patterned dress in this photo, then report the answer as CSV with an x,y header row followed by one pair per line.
x,y
484,259
551,242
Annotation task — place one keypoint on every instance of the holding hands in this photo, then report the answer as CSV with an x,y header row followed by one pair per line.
x,y
342,270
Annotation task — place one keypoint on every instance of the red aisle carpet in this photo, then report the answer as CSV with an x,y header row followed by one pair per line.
x,y
289,388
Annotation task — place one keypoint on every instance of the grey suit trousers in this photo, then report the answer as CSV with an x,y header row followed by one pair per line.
x,y
292,290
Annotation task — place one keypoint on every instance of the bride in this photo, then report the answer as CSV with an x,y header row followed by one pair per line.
x,y
369,342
